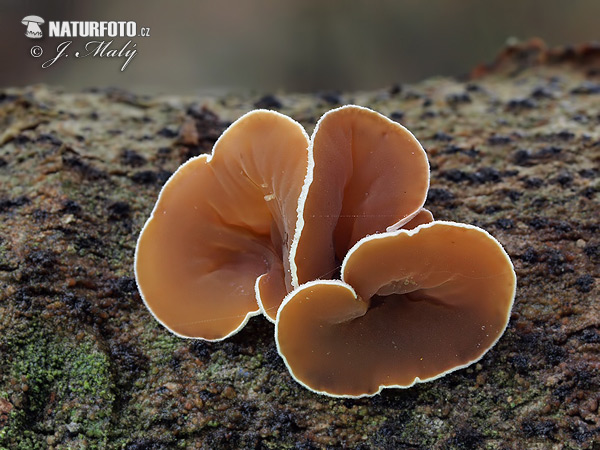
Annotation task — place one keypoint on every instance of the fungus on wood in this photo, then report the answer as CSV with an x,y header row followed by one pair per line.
x,y
367,174
220,232
258,225
411,306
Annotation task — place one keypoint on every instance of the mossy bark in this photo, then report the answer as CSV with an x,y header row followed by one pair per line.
x,y
515,150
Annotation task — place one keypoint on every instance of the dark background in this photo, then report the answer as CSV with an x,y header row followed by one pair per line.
x,y
270,45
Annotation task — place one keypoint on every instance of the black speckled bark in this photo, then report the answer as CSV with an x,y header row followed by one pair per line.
x,y
515,150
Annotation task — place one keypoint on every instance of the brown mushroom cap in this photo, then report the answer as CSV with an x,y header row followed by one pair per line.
x,y
412,306
220,233
367,174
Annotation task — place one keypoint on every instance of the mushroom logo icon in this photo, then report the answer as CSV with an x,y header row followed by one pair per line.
x,y
33,26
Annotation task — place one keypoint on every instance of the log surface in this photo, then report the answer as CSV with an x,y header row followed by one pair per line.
x,y
514,149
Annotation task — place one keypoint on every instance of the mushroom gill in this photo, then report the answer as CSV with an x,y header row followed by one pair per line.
x,y
220,232
367,174
412,306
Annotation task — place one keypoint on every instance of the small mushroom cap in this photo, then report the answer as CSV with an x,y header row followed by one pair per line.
x,y
220,233
36,19
413,306
367,174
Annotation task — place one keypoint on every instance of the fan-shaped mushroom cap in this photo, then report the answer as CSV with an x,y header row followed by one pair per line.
x,y
412,306
222,227
366,174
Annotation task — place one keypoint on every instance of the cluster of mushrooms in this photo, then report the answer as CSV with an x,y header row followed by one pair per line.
x,y
328,238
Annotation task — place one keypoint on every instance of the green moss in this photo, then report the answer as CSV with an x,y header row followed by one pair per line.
x,y
160,343
3,251
58,379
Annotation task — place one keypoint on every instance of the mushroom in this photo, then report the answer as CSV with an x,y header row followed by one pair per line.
x,y
220,232
33,26
412,306
367,174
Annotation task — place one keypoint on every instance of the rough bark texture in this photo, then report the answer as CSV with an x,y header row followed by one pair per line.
x,y
515,149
